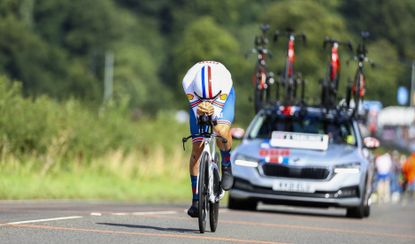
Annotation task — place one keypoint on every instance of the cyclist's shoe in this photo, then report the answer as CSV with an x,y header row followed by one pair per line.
x,y
193,211
227,178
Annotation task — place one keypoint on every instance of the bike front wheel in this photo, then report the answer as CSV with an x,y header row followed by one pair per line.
x,y
203,191
214,207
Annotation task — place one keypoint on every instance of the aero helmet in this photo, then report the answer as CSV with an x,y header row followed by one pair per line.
x,y
206,84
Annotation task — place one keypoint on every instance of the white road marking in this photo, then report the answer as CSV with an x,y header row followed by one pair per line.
x,y
154,213
96,214
43,220
144,213
220,211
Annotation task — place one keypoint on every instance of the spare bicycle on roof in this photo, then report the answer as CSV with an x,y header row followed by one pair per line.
x,y
289,79
261,78
356,89
330,83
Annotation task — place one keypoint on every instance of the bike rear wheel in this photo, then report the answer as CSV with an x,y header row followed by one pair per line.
x,y
203,191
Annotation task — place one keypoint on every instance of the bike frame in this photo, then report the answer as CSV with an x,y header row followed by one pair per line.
x,y
289,68
360,82
209,147
335,64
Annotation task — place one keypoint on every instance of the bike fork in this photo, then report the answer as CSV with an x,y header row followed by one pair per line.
x,y
213,194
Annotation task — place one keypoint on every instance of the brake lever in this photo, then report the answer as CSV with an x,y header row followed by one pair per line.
x,y
184,140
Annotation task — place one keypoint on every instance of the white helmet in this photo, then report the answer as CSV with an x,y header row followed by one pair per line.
x,y
208,81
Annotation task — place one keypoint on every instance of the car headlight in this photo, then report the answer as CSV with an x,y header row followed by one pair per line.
x,y
242,160
350,168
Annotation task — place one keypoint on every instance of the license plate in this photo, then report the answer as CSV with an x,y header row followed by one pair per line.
x,y
299,140
292,186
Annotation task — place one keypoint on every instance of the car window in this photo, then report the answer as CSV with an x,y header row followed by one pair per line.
x,y
339,132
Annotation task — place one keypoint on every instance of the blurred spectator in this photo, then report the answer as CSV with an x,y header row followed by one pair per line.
x,y
396,170
383,167
408,170
402,180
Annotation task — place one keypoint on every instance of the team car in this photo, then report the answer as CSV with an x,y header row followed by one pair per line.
x,y
304,156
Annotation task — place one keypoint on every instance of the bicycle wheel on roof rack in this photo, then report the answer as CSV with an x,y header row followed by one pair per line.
x,y
257,99
259,94
356,94
324,93
290,91
203,191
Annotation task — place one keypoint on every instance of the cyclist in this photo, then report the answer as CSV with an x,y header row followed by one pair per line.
x,y
209,90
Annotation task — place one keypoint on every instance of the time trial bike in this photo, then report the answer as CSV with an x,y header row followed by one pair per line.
x,y
330,83
357,90
289,80
208,185
261,79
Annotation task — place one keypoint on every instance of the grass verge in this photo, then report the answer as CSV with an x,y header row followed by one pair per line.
x,y
156,177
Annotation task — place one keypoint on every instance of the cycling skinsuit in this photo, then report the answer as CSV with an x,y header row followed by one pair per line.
x,y
224,104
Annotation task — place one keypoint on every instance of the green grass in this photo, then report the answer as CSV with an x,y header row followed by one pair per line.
x,y
89,185
129,179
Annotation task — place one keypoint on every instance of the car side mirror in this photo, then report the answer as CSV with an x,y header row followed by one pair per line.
x,y
371,142
237,133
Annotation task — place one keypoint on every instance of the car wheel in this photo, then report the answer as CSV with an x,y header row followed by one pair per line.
x,y
239,204
366,211
355,212
363,210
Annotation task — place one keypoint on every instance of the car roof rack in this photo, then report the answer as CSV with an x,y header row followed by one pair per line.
x,y
339,113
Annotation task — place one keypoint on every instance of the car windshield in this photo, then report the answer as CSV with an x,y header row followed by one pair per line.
x,y
338,132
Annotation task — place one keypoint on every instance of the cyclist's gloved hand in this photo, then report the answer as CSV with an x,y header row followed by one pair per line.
x,y
205,108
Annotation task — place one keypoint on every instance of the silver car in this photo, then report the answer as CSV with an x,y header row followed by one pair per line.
x,y
305,157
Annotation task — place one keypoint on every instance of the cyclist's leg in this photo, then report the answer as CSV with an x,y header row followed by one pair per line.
x,y
223,129
193,164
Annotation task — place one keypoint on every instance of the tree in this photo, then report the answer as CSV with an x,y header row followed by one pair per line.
x,y
391,20
203,40
383,79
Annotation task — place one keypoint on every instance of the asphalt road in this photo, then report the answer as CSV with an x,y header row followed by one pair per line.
x,y
109,222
